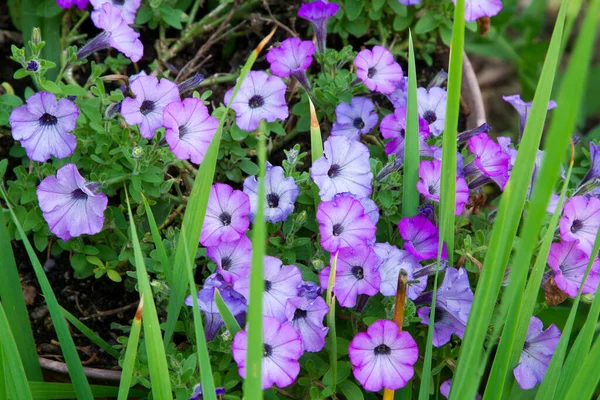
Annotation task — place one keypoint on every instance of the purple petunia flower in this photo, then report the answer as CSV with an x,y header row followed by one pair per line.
x,y
523,109
432,108
345,167
151,97
399,96
71,206
282,349
306,316
42,126
429,184
537,352
292,57
206,303
354,119
281,283
452,308
392,261
260,97
410,2
190,129
569,263
280,194
310,290
594,171
421,237
490,160
393,126
81,4
343,223
369,205
128,8
226,217
378,70
445,389
197,395
475,9
232,258
580,221
318,13
116,34
383,356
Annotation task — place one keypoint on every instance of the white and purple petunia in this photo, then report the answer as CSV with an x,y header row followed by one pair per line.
x,y
232,258
490,161
429,184
580,221
369,205
594,171
42,126
377,69
523,108
292,57
432,108
399,96
392,262
475,9
71,206
393,126
226,217
569,263
421,237
318,13
128,8
354,119
306,316
280,194
383,356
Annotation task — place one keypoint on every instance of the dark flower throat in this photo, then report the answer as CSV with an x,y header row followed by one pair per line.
x,y
225,218
147,107
48,120
256,101
382,349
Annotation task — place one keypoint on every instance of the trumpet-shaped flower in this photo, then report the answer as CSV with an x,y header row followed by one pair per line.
x,y
280,194
432,108
307,317
226,217
580,221
128,8
354,119
421,237
393,261
232,258
429,184
569,263
475,9
378,70
318,13
393,126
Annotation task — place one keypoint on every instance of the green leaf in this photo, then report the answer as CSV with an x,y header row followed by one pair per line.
x,y
316,141
410,196
249,167
131,353
427,23
353,9
172,16
59,391
162,253
351,391
90,334
584,384
15,368
230,322
113,275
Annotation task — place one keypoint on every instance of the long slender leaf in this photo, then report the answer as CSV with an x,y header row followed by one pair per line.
x,y
584,384
3,375
59,391
316,141
332,334
90,334
11,352
162,253
230,322
131,352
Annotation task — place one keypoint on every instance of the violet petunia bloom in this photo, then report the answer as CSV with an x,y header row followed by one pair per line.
x,y
280,194
378,70
393,126
580,221
453,305
392,262
429,184
445,389
281,283
475,9
232,258
343,223
197,395
369,205
399,97
81,4
537,352
207,304
432,108
523,108
383,356
354,119
128,8
410,2
569,263
151,98
318,13
421,237
594,171
490,160
42,126
282,346
70,205
292,57
345,167
116,34
226,217
190,129
310,290
356,273
260,97
306,316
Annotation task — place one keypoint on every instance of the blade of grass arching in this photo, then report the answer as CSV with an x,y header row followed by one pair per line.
x,y
60,391
505,227
157,359
131,352
14,304
584,384
162,253
230,322
90,334
67,345
3,375
11,352
332,334
316,141
410,196
448,178
253,381
196,207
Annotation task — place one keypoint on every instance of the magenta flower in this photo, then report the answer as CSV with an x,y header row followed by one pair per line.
x,y
594,171
128,8
523,107
475,9
354,119
393,126
281,283
260,97
490,160
429,184
378,70
580,221
369,205
421,237
116,34
81,4
226,217
42,126
306,316
71,206
399,96
432,108
356,273
151,97
569,263
318,13
190,129
343,223
280,194
383,357
232,258
392,261
282,349
292,57
345,167
537,352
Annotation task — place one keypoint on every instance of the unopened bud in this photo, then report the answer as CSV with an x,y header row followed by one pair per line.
x,y
36,36
137,152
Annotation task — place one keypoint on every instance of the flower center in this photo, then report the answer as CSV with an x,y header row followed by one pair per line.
x,y
382,349
147,107
78,194
273,200
118,2
371,72
439,315
337,229
432,190
358,272
299,314
358,123
48,119
268,285
225,218
226,263
430,117
33,66
402,132
576,226
182,131
256,101
334,171
267,350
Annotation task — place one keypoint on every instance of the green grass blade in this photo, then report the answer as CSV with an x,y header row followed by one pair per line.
x,y
90,334
157,360
3,375
230,322
60,391
332,334
162,253
131,352
14,304
253,381
196,208
410,198
584,384
11,352
60,324
316,141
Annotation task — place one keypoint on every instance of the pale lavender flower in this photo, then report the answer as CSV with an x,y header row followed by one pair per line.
x,y
580,221
197,395
475,9
128,8
318,13
432,108
410,2
392,262
81,4
355,118
438,152
569,263
378,70
226,217
421,237
490,160
523,108
594,171
393,126
429,184
399,96
306,316
280,194
371,208
310,290
292,57
232,258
